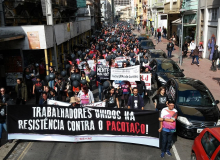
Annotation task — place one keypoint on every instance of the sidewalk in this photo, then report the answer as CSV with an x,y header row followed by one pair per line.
x,y
203,73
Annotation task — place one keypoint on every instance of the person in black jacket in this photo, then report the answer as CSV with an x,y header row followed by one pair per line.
x,y
61,88
170,46
161,99
3,96
185,49
2,119
111,98
135,101
141,87
53,95
214,58
43,100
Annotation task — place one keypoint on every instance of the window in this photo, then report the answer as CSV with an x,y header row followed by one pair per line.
x,y
218,156
213,14
209,143
139,1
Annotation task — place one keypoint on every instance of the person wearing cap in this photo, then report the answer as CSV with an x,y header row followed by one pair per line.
x,y
214,58
73,101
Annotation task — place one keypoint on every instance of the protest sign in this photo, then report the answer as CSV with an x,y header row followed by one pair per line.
x,y
146,77
120,60
102,71
91,64
126,74
82,65
69,124
101,61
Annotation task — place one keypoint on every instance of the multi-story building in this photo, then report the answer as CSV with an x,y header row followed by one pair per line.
x,y
38,30
208,25
124,9
189,17
172,9
107,8
155,14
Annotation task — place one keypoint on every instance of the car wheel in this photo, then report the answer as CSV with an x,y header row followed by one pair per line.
x,y
193,156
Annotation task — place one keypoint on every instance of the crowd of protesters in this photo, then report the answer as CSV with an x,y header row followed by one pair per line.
x,y
75,84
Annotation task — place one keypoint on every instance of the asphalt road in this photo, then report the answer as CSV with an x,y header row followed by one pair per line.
x,y
40,150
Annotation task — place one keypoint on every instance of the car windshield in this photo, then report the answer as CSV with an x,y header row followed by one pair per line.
x,y
194,98
168,67
156,55
147,43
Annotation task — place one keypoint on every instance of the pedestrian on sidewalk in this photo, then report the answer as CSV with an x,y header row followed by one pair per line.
x,y
159,34
170,47
152,30
195,55
200,50
214,58
185,49
192,46
168,127
21,90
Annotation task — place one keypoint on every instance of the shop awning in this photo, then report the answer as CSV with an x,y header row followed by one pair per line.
x,y
177,21
10,37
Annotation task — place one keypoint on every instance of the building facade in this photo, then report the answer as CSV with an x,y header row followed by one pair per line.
x,y
208,25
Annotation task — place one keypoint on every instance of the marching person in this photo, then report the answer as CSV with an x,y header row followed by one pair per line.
x,y
135,101
4,97
43,100
85,96
2,119
160,100
21,90
38,88
73,102
111,98
52,95
141,87
214,58
168,127
126,89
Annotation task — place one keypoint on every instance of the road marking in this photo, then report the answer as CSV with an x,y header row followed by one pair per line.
x,y
175,152
25,151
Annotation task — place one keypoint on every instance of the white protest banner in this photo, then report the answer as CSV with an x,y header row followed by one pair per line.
x,y
57,103
146,77
101,61
82,65
120,60
126,74
91,64
97,104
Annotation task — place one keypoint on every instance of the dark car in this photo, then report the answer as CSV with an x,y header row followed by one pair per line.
x,y
140,38
197,108
163,69
156,53
146,44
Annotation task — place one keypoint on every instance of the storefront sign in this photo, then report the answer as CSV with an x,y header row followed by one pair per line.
x,y
33,39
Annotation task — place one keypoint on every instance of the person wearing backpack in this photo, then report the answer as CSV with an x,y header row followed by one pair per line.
x,y
135,101
111,98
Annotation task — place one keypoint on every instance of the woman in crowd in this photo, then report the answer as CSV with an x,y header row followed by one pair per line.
x,y
126,89
85,96
160,100
111,98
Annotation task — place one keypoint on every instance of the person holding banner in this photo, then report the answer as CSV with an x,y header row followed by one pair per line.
x,y
111,98
160,100
135,101
43,100
73,101
85,96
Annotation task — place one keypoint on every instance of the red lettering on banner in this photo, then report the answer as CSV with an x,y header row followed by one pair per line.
x,y
118,123
132,128
142,129
113,126
127,123
136,129
146,78
123,126
108,123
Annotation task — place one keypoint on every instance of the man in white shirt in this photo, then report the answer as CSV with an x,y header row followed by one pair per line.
x,y
192,46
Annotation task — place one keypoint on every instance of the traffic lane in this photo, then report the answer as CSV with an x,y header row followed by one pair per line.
x,y
91,151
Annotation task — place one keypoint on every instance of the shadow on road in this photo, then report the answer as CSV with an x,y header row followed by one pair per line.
x,y
216,79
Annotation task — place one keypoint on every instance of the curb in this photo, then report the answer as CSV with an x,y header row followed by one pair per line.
x,y
7,148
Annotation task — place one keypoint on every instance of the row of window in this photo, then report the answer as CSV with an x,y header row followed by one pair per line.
x,y
213,14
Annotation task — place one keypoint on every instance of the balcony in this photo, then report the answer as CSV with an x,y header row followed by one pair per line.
x,y
175,7
190,4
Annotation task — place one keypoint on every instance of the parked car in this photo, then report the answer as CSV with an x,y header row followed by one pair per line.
x,y
197,108
146,44
156,53
207,145
140,38
163,69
